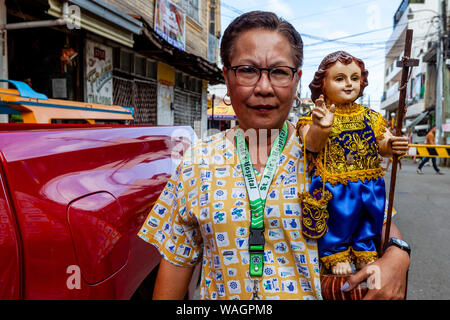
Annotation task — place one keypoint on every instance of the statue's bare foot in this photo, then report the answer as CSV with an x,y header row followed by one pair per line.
x,y
342,268
362,264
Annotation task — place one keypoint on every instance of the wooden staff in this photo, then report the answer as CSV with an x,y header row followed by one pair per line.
x,y
407,64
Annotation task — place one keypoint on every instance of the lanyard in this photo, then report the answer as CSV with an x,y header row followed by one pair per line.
x,y
257,194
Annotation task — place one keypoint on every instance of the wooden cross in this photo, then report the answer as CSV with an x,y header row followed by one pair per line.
x,y
406,63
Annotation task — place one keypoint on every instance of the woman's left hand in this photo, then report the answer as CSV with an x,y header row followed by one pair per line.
x,y
386,277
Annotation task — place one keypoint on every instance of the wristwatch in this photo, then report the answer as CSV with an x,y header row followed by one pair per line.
x,y
398,243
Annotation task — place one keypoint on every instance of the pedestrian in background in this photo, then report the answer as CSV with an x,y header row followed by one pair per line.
x,y
429,140
410,141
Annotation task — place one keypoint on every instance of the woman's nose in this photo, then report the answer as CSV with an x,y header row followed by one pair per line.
x,y
264,86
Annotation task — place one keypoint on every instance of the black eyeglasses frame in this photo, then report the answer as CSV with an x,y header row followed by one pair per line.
x,y
234,69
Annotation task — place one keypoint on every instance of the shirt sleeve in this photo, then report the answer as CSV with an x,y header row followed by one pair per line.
x,y
172,227
305,119
394,212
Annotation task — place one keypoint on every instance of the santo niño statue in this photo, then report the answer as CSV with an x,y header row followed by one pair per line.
x,y
345,140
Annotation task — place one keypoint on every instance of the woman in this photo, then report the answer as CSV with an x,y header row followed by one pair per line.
x,y
248,238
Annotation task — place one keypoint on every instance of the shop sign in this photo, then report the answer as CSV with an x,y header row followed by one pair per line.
x,y
99,86
170,23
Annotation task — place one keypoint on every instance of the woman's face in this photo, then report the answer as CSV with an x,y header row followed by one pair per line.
x,y
342,83
262,105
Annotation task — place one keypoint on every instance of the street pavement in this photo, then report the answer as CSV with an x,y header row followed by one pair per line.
x,y
423,206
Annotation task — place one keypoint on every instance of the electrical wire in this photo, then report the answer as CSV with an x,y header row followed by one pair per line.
x,y
239,11
374,45
330,11
337,40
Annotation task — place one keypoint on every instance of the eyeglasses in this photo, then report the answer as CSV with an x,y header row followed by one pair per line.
x,y
279,76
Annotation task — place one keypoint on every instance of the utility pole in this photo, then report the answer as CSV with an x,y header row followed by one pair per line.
x,y
439,67
445,75
444,17
3,54
3,44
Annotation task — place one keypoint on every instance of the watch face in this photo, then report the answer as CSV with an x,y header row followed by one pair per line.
x,y
400,242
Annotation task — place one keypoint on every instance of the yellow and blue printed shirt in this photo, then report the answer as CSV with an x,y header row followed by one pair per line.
x,y
203,216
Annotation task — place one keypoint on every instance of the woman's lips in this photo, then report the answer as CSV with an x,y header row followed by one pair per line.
x,y
263,108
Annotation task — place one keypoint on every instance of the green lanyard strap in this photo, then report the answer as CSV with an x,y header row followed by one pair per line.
x,y
257,194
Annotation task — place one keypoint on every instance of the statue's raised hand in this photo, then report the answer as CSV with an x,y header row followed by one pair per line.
x,y
321,115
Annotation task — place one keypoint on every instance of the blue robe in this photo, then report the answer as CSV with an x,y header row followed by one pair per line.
x,y
350,166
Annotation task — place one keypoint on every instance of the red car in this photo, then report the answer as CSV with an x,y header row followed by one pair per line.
x,y
72,199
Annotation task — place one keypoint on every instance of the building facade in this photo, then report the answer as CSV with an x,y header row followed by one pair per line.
x,y
425,18
156,56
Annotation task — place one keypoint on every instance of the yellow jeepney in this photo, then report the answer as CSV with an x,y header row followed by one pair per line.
x,y
34,107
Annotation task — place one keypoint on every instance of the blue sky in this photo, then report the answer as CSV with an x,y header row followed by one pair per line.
x,y
319,20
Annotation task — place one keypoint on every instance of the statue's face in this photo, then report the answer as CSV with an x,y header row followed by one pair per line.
x,y
342,83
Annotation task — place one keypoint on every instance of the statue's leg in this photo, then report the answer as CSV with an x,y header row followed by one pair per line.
x,y
368,234
334,246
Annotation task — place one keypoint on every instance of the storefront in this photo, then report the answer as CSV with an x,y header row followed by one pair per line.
x,y
221,117
70,57
37,56
134,84
187,100
182,81
111,54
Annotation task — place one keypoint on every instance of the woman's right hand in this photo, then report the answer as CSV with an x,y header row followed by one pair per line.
x,y
321,115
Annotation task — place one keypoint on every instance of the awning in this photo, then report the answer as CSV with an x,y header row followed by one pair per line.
x,y
111,14
102,19
184,61
221,112
151,44
418,119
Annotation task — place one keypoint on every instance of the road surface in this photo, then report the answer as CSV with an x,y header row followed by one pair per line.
x,y
423,205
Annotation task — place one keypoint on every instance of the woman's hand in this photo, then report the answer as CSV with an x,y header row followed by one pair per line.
x,y
321,115
386,276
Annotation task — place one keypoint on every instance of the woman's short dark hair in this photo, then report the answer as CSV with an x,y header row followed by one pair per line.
x,y
260,20
343,57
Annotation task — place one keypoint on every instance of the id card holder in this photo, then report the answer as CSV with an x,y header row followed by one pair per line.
x,y
256,249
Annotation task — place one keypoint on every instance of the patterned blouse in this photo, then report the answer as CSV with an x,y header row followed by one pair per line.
x,y
203,216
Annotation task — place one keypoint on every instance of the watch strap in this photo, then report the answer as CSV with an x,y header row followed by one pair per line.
x,y
402,244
